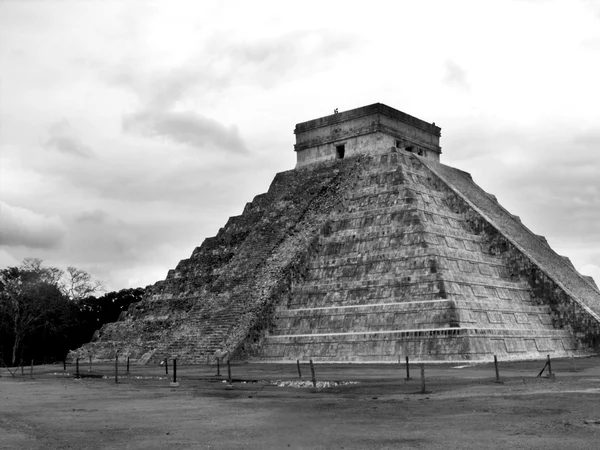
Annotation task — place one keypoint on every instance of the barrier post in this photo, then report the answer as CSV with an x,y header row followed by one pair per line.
x,y
77,368
407,370
228,371
496,366
117,367
298,364
550,375
312,371
423,391
174,383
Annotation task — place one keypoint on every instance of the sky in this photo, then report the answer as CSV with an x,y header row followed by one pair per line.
x,y
130,131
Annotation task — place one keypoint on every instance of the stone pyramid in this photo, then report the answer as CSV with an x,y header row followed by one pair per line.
x,y
370,250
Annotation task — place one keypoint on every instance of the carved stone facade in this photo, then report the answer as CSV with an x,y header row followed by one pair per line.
x,y
364,131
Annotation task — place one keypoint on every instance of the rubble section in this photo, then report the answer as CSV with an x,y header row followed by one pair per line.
x,y
401,269
224,292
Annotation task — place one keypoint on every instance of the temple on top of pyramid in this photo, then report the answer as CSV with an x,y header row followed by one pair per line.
x,y
374,253
363,130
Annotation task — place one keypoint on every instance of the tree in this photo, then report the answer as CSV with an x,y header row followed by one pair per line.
x,y
94,312
40,305
78,284
29,301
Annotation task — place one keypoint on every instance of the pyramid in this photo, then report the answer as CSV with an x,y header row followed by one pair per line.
x,y
370,250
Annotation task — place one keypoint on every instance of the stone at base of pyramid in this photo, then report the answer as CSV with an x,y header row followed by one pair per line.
x,y
366,253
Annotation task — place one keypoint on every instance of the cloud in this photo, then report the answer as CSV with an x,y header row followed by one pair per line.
x,y
594,6
455,75
223,62
185,128
171,99
23,227
95,216
64,139
269,61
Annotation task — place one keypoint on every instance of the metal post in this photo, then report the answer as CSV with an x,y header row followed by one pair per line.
x,y
166,366
218,367
90,369
423,391
312,371
175,371
117,367
298,364
549,368
77,368
496,366
228,371
407,370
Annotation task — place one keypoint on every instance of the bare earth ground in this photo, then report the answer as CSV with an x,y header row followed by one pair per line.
x,y
465,408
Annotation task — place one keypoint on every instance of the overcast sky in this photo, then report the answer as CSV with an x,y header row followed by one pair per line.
x,y
130,131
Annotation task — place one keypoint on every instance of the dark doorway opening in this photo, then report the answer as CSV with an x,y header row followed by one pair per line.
x,y
409,148
340,151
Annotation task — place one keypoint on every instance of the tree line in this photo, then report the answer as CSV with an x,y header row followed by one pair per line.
x,y
46,311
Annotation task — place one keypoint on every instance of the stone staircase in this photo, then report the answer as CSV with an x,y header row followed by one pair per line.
x,y
210,302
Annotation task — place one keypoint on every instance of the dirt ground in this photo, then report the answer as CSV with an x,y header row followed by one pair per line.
x,y
464,408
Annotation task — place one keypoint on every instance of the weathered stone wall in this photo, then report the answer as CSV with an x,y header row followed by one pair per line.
x,y
365,259
399,271
567,312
